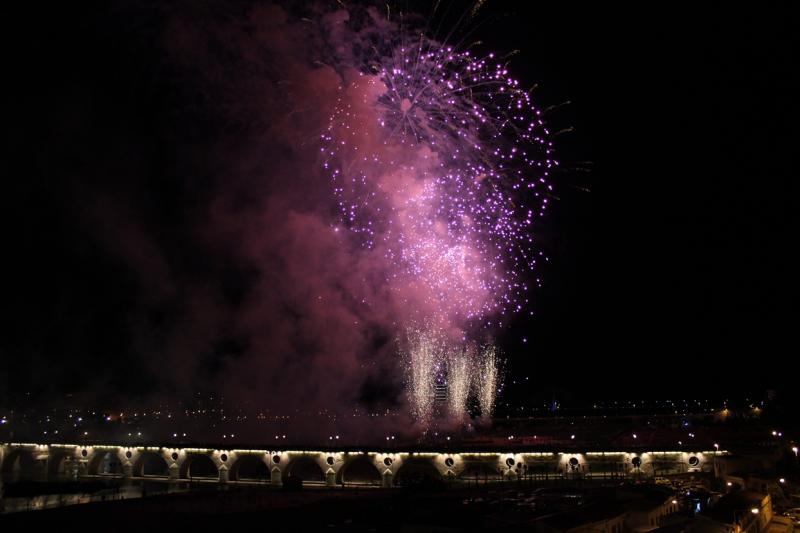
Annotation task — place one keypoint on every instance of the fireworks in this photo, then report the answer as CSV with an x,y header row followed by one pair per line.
x,y
422,356
459,378
467,371
488,380
440,162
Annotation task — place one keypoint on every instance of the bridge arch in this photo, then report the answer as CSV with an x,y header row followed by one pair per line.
x,y
150,463
306,468
198,465
249,467
18,463
359,470
60,462
105,462
607,467
480,472
416,470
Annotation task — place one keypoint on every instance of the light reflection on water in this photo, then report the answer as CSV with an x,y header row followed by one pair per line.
x,y
25,493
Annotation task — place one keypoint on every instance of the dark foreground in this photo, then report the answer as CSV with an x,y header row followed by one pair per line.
x,y
401,510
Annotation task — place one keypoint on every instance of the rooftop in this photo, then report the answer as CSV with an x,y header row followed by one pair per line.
x,y
735,502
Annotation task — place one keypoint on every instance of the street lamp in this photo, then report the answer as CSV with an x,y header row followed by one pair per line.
x,y
794,449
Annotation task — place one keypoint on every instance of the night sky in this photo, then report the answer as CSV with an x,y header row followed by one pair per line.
x,y
161,234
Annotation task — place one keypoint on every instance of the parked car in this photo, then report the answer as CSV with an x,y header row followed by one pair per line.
x,y
794,514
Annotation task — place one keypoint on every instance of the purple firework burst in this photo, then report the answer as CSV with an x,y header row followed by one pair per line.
x,y
441,162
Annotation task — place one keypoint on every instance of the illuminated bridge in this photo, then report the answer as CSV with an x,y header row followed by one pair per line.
x,y
335,468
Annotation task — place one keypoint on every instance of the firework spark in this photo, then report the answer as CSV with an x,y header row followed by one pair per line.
x,y
488,379
459,379
440,162
466,370
424,349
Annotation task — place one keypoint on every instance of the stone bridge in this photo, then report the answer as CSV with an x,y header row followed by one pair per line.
x,y
331,468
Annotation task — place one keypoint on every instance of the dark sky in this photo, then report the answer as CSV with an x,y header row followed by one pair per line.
x,y
676,271
148,247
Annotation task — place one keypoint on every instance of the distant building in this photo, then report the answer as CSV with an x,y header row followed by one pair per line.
x,y
628,510
596,518
734,465
649,513
755,474
742,512
737,512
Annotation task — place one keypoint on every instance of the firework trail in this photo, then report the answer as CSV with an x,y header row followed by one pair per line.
x,y
459,381
429,357
488,378
424,348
